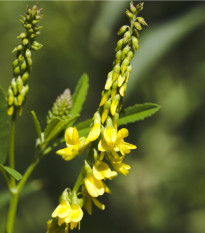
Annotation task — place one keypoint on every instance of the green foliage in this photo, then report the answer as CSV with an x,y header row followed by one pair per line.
x,y
80,94
37,125
4,127
12,172
138,112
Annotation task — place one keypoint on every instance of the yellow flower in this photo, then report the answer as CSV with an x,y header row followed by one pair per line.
x,y
94,132
75,145
69,214
113,140
88,201
94,186
116,162
102,171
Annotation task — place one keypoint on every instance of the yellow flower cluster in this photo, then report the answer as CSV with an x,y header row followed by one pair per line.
x,y
68,214
106,143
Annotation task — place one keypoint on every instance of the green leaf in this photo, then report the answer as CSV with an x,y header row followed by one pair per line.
x,y
80,94
131,114
138,112
37,125
12,172
4,127
56,126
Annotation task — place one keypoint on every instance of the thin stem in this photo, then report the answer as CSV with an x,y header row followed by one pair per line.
x,y
11,146
15,196
12,212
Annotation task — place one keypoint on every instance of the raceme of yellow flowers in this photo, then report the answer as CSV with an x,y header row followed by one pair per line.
x,y
105,142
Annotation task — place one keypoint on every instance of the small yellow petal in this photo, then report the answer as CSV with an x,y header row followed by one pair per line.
x,y
94,132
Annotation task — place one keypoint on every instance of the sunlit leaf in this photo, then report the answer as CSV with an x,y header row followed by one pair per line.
x,y
37,124
80,94
12,172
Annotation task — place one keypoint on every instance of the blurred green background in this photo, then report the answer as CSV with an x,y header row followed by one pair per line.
x,y
165,190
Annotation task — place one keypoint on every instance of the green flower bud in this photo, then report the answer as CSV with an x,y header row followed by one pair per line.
x,y
25,77
118,56
139,6
28,53
36,45
125,51
21,58
61,107
15,63
19,83
129,14
10,96
23,66
25,41
142,21
122,30
17,70
132,8
34,21
22,35
14,86
17,48
135,43
138,26
127,36
29,60
119,44
24,90
30,30
130,55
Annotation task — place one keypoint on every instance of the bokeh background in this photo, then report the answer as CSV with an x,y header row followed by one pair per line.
x,y
165,190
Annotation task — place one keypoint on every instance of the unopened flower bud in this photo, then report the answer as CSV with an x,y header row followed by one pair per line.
x,y
17,48
139,6
21,58
116,72
25,41
25,77
122,29
17,70
130,55
119,44
24,90
125,51
14,86
19,83
23,66
118,56
127,36
129,14
22,35
28,53
135,43
142,21
15,63
108,83
132,8
10,96
114,104
120,80
124,65
138,26
29,60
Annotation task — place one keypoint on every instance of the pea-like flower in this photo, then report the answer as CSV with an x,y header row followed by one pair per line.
x,y
101,171
113,140
94,186
75,145
69,214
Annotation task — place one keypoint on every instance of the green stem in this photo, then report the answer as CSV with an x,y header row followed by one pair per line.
x,y
15,196
12,212
11,147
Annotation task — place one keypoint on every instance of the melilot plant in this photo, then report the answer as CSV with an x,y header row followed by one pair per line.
x,y
101,137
